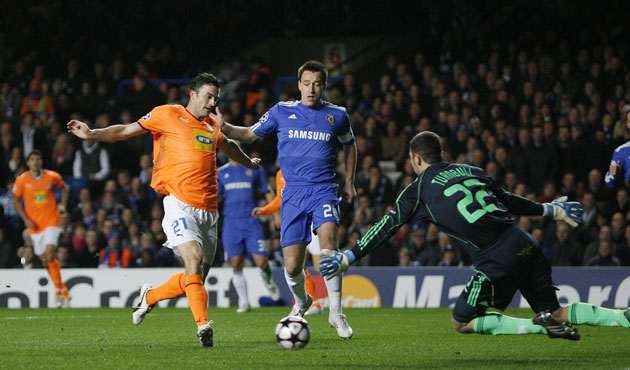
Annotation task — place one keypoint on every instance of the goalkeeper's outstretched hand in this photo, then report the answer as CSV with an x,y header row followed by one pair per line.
x,y
561,210
334,263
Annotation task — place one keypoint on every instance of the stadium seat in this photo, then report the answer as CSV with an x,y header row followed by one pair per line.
x,y
387,166
75,184
393,176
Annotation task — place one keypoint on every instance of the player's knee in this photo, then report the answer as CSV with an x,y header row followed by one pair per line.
x,y
460,327
293,268
192,259
192,264
237,265
261,261
327,238
328,242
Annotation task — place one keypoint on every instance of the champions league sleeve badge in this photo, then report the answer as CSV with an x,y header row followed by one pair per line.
x,y
330,118
264,117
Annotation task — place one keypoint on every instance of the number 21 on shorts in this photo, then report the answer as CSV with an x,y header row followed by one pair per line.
x,y
177,225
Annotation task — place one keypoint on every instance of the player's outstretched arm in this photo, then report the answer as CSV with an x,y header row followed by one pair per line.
x,y
108,134
561,210
407,206
242,134
234,152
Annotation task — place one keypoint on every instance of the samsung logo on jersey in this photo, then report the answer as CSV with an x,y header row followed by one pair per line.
x,y
309,135
238,185
203,139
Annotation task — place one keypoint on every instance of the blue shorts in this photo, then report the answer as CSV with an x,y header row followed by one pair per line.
x,y
243,235
303,205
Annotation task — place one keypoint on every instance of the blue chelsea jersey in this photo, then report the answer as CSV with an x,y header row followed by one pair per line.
x,y
307,139
239,185
621,155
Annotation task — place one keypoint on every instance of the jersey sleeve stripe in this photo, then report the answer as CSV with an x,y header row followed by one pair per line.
x,y
255,126
373,231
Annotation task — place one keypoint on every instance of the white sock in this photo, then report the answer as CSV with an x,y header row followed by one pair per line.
x,y
266,275
296,285
334,294
240,284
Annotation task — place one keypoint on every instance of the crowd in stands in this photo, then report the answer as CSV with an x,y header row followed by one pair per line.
x,y
542,118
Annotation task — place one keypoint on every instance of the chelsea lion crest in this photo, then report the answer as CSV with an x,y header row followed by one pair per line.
x,y
330,119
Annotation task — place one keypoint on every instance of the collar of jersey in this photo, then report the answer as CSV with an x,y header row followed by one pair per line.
x,y
38,177
320,106
192,116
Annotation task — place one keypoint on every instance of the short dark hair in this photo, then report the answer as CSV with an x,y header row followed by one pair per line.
x,y
313,66
34,152
428,145
205,78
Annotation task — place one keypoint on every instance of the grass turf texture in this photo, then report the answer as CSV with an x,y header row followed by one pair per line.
x,y
384,338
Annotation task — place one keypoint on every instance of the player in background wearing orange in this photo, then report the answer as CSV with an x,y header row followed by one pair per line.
x,y
185,141
313,247
41,215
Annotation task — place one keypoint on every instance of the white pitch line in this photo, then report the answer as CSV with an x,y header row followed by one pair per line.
x,y
50,317
67,317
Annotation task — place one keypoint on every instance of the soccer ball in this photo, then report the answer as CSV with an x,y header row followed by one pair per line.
x,y
293,332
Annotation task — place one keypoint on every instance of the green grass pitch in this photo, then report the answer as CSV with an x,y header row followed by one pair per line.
x,y
384,338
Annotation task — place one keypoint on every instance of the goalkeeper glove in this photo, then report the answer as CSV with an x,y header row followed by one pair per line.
x,y
335,263
561,210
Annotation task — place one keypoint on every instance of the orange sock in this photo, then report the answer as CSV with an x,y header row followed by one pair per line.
x,y
173,288
54,270
309,284
197,298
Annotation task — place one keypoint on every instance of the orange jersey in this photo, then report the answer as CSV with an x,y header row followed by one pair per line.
x,y
274,206
40,204
184,155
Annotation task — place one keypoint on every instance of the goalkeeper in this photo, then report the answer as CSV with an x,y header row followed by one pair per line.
x,y
465,203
